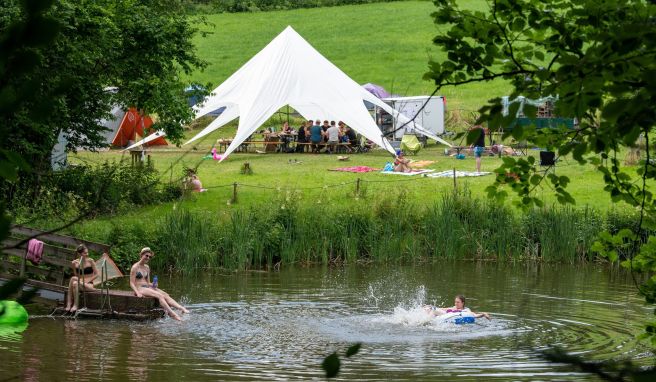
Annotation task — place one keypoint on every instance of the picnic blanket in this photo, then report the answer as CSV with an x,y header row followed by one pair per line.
x,y
421,163
459,174
355,169
413,172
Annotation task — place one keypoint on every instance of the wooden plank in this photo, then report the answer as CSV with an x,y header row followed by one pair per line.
x,y
59,263
61,252
62,239
49,273
46,259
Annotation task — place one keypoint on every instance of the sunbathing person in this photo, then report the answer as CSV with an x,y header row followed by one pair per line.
x,y
401,164
459,306
84,271
141,285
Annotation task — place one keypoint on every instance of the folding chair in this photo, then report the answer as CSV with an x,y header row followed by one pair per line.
x,y
363,147
410,143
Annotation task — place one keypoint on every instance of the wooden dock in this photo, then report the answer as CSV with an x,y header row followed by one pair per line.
x,y
50,277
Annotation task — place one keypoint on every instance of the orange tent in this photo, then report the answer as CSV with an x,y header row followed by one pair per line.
x,y
133,128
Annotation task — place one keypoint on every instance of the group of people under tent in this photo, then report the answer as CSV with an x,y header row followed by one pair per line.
x,y
317,136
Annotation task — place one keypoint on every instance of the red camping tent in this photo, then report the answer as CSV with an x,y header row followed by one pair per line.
x,y
132,128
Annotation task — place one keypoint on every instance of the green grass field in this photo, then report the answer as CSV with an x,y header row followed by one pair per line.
x,y
389,44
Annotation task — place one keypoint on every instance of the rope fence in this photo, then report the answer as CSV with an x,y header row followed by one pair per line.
x,y
357,185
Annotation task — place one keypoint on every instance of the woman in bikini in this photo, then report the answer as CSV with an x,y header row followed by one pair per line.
x,y
459,306
141,285
84,272
401,164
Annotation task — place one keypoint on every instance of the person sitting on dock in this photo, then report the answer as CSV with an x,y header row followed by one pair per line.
x,y
84,271
141,285
458,306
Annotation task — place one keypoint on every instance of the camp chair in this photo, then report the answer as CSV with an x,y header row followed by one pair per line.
x,y
410,143
548,159
364,145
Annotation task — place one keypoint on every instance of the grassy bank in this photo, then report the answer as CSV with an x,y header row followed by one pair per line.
x,y
392,228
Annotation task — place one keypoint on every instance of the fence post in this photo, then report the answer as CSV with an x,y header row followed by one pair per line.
x,y
234,193
357,187
454,179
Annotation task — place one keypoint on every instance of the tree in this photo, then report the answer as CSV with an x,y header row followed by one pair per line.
x,y
599,59
137,47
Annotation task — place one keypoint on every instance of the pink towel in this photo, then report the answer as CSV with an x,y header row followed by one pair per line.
x,y
34,251
355,169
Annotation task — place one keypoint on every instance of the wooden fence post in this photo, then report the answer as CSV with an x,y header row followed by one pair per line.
x,y
234,193
454,179
357,187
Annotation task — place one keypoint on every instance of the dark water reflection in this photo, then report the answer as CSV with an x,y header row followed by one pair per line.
x,y
280,325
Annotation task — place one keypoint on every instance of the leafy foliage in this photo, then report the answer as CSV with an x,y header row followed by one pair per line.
x,y
108,188
599,59
332,364
136,47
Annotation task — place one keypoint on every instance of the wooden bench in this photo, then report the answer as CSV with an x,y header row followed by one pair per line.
x,y
51,275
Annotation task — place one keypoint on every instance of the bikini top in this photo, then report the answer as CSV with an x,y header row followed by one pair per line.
x,y
85,270
141,275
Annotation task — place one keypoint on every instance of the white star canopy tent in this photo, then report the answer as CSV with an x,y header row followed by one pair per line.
x,y
289,71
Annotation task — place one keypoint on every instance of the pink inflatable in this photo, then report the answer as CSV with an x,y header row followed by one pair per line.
x,y
216,156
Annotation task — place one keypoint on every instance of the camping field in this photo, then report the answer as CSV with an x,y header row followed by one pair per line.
x,y
384,43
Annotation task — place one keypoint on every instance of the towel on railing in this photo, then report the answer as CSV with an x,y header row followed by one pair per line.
x,y
34,251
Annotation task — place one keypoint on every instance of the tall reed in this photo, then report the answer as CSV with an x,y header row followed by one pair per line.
x,y
387,228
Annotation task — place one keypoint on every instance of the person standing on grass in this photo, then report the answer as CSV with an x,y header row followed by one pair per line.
x,y
479,145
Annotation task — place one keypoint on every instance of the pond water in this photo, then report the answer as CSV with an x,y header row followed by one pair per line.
x,y
280,325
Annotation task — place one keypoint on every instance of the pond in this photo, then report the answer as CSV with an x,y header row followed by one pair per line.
x,y
280,325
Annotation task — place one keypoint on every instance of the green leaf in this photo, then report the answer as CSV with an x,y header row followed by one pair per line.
x,y
353,350
518,132
331,365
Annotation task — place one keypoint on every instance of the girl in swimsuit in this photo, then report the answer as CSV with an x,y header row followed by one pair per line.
x,y
458,306
84,271
141,285
401,164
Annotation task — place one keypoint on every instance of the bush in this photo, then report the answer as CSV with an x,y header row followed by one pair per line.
x,y
104,189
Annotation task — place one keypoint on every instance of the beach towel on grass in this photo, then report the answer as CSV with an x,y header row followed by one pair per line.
x,y
354,169
421,163
414,172
34,251
459,174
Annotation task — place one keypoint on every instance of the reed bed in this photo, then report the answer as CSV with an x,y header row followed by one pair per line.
x,y
390,228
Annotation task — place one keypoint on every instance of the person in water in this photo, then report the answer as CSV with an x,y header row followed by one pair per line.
x,y
458,306
84,272
141,285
